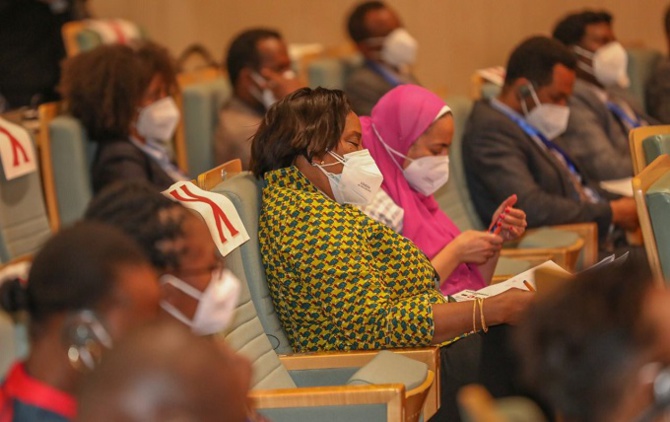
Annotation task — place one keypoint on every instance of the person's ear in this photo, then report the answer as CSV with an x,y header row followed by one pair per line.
x,y
522,87
85,338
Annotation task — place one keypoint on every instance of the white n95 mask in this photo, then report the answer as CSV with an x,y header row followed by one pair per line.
x,y
399,48
216,305
360,178
550,119
426,174
610,64
158,120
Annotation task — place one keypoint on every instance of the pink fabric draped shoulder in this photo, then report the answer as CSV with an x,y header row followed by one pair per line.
x,y
400,117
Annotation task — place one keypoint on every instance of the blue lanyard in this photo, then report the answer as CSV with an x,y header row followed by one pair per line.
x,y
388,76
622,115
534,133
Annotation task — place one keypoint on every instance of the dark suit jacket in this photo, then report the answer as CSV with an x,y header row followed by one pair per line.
x,y
364,87
595,138
121,160
501,160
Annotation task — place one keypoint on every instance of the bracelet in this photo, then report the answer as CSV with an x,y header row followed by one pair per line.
x,y
474,315
485,327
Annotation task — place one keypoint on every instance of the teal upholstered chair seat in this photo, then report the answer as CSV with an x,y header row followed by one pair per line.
x,y
658,204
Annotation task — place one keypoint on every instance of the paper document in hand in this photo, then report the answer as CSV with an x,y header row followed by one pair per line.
x,y
623,187
514,282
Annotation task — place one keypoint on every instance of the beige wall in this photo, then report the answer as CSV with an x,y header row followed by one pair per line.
x,y
456,36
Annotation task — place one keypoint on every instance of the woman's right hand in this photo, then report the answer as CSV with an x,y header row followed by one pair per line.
x,y
507,307
475,247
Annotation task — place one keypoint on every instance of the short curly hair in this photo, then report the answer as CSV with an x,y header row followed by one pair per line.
x,y
307,122
571,29
102,87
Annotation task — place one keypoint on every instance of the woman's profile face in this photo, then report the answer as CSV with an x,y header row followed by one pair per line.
x,y
436,140
198,263
134,299
350,141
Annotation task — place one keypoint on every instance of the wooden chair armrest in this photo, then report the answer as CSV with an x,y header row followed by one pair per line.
x,y
588,232
391,394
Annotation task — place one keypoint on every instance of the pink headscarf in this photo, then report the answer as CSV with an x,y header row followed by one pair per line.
x,y
400,117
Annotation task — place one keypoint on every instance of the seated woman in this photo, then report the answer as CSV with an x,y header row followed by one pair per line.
x,y
196,288
122,97
597,349
87,287
340,280
408,135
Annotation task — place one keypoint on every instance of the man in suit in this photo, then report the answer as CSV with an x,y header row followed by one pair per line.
x,y
389,52
509,146
602,113
259,69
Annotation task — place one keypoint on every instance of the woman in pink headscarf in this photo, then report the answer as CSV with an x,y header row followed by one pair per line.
x,y
409,134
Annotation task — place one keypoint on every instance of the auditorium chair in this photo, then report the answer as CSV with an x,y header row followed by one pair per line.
x,y
651,189
641,64
245,193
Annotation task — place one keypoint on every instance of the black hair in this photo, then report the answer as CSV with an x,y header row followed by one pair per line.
x,y
243,51
356,22
666,21
153,220
571,29
535,59
307,122
76,269
579,345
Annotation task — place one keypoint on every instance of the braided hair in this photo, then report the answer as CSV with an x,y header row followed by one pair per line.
x,y
153,220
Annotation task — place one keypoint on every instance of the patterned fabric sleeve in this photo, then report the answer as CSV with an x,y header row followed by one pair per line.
x,y
353,297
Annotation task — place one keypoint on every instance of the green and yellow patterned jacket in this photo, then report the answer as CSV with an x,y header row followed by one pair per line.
x,y
340,280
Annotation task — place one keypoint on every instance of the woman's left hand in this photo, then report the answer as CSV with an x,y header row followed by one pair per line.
x,y
509,222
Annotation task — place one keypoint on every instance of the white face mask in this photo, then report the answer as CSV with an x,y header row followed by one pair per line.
x,y
550,119
266,96
399,49
426,174
158,120
360,178
216,305
610,64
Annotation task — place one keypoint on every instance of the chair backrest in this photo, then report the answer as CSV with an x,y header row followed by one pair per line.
x,y
454,198
332,72
247,337
646,143
477,405
85,35
245,193
66,156
643,193
24,224
641,64
201,104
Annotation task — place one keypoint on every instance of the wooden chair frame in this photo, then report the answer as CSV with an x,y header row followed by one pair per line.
x,y
641,183
47,112
402,405
209,179
635,138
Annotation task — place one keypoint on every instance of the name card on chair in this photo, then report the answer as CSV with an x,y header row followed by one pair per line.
x,y
16,150
219,213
